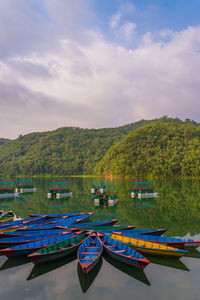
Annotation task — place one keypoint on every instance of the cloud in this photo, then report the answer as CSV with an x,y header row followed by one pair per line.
x,y
74,76
127,30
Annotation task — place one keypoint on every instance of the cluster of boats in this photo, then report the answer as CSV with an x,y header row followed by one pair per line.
x,y
44,238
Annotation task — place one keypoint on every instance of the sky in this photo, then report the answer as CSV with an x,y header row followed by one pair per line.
x,y
97,63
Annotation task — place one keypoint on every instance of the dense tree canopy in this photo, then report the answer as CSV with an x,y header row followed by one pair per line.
x,y
163,147
65,151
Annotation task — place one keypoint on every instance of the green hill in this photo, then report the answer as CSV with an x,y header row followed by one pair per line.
x,y
163,147
65,151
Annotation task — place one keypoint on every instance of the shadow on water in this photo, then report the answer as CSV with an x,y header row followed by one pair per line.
x,y
131,271
167,262
87,280
44,268
12,262
194,253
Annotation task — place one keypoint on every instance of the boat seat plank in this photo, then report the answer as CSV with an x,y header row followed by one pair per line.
x,y
88,253
87,258
91,247
120,251
111,246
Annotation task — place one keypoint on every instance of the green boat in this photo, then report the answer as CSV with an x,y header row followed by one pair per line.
x,y
58,250
7,217
107,228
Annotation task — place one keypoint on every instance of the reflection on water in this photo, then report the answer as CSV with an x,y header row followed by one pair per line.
x,y
87,279
177,208
12,262
131,271
167,262
44,268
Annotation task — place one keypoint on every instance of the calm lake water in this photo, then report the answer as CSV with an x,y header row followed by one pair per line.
x,y
177,208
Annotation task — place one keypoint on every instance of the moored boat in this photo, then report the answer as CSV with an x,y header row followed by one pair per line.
x,y
28,248
32,232
7,217
155,232
63,223
122,252
56,215
89,253
169,241
99,223
13,241
107,228
149,247
58,250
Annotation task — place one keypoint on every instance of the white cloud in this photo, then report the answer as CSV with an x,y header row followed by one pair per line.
x,y
115,20
127,31
84,80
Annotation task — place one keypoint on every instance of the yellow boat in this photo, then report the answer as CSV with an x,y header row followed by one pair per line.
x,y
149,247
10,229
7,217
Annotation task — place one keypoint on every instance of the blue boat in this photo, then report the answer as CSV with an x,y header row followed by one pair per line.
x,y
56,215
168,241
122,252
63,223
13,241
28,248
23,222
89,253
91,224
32,232
155,232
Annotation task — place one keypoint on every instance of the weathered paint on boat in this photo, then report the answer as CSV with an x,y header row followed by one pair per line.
x,y
149,247
89,253
122,252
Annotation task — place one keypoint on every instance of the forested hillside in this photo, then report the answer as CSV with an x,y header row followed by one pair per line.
x,y
163,147
64,151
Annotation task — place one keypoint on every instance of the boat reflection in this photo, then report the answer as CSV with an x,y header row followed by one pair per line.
x,y
131,271
12,262
194,253
87,279
143,203
44,268
167,262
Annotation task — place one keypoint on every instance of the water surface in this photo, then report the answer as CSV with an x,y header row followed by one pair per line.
x,y
177,208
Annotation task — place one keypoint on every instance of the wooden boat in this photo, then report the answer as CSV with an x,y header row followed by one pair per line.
x,y
149,247
11,242
122,252
169,241
56,215
1,213
27,248
62,224
7,217
106,228
155,232
22,222
58,250
90,224
89,253
26,233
